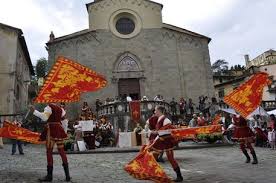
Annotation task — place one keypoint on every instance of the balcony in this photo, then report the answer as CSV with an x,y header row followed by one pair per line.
x,y
119,113
269,105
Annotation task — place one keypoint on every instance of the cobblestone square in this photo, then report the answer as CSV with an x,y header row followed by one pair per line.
x,y
212,165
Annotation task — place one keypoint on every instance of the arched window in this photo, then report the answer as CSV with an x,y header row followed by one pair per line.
x,y
128,64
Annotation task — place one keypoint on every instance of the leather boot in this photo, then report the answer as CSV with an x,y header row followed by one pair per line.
x,y
247,156
49,176
255,160
66,171
179,177
160,158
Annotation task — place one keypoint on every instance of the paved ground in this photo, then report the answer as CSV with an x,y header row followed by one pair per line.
x,y
213,165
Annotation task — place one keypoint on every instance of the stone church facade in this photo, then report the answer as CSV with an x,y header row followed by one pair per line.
x,y
128,43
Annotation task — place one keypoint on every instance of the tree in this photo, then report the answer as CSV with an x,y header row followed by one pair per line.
x,y
219,66
41,67
237,68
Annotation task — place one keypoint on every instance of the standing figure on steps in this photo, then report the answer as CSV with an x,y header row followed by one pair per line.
x,y
244,135
53,133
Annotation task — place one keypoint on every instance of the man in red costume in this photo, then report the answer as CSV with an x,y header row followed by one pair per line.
x,y
245,137
151,125
164,141
53,133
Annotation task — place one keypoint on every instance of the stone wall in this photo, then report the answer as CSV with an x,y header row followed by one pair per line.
x,y
172,64
8,46
14,73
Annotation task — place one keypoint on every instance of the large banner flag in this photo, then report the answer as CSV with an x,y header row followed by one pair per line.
x,y
135,111
12,131
67,80
247,97
182,133
145,167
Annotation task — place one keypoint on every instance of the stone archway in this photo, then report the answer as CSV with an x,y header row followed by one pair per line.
x,y
127,75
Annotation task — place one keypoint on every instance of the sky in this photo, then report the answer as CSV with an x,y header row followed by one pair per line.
x,y
237,27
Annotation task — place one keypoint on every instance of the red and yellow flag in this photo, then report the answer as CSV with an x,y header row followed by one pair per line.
x,y
12,131
188,132
135,110
67,80
247,97
216,119
145,167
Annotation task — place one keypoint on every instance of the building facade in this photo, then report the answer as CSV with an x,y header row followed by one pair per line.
x,y
139,54
266,58
15,70
269,93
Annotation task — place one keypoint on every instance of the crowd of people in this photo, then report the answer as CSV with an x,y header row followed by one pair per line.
x,y
98,133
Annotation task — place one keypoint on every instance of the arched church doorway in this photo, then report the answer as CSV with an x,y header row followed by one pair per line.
x,y
129,87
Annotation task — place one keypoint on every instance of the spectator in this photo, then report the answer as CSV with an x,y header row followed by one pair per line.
x,y
17,142
191,106
193,121
157,98
137,132
173,104
98,105
201,120
78,130
272,122
107,100
214,107
128,98
84,107
117,99
182,106
106,132
271,137
145,98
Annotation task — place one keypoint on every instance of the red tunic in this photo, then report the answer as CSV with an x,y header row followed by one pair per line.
x,y
164,142
201,121
54,125
152,124
241,130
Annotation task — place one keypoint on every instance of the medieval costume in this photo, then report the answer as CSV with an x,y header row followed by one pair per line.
x,y
151,125
164,140
53,133
245,137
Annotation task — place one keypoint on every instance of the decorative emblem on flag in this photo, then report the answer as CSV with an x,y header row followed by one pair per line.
x,y
247,97
67,80
145,167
